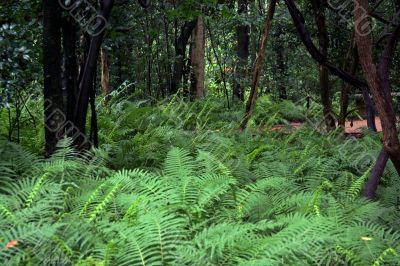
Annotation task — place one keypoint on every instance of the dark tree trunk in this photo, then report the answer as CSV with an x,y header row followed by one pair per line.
x,y
94,135
54,117
167,46
319,11
373,181
86,83
180,54
149,42
370,109
242,52
70,66
351,58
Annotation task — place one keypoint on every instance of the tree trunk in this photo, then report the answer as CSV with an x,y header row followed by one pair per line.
x,y
305,36
351,58
372,184
149,42
258,65
54,117
373,181
105,77
70,83
242,52
378,81
197,59
180,54
319,11
86,83
281,61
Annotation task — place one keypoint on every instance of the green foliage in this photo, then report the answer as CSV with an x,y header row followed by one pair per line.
x,y
216,198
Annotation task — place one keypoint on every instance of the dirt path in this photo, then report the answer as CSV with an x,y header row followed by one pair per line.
x,y
355,128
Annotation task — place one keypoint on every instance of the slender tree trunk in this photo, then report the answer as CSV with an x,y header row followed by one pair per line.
x,y
105,77
351,57
319,11
54,117
378,81
258,65
86,83
242,52
149,42
281,58
197,59
167,46
221,66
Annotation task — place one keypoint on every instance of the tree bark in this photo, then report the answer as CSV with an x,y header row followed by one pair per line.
x,y
351,58
180,54
319,11
86,83
281,64
372,184
373,181
378,80
70,83
54,117
197,59
242,52
105,77
258,65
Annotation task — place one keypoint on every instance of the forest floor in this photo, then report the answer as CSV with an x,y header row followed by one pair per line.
x,y
354,127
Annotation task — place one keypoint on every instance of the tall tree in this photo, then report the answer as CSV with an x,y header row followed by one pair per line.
x,y
197,59
80,86
242,52
180,54
323,38
53,96
377,77
89,70
258,65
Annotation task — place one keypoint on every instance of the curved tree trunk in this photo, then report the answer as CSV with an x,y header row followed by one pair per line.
x,y
258,65
373,181
378,81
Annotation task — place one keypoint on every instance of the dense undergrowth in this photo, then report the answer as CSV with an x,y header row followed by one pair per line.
x,y
177,184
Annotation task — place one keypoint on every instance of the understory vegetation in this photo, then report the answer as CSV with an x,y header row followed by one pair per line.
x,y
199,133
176,184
